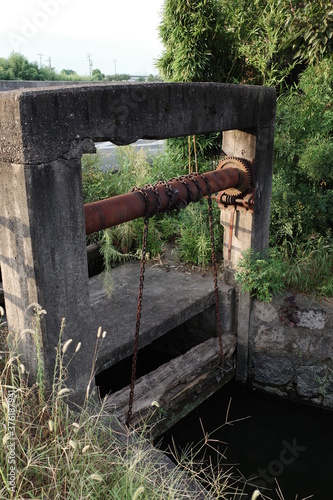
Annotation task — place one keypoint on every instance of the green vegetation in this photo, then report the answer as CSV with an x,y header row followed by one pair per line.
x,y
302,200
188,229
17,67
243,41
196,42
121,77
286,44
309,269
97,185
194,242
302,196
197,49
52,450
261,276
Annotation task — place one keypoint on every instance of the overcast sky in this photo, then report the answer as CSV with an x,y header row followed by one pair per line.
x,y
119,35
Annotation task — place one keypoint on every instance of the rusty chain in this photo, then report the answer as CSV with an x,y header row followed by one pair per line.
x,y
216,290
156,193
139,309
171,193
143,191
183,179
194,178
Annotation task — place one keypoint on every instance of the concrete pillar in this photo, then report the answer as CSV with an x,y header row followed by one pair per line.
x,y
246,228
44,261
237,222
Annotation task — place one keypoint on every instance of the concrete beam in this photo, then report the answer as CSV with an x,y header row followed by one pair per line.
x,y
49,123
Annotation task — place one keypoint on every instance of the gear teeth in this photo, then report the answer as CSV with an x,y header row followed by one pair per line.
x,y
229,196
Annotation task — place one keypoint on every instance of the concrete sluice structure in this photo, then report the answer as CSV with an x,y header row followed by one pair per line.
x,y
43,134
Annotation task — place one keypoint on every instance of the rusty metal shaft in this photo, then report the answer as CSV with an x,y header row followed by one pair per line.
x,y
163,196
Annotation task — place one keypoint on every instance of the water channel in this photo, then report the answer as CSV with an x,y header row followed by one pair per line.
x,y
282,440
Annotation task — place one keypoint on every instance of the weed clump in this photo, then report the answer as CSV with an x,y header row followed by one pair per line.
x,y
51,449
304,268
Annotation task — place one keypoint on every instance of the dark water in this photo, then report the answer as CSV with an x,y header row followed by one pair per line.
x,y
287,441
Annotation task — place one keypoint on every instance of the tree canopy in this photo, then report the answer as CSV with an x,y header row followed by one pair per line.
x,y
282,43
17,67
249,41
197,44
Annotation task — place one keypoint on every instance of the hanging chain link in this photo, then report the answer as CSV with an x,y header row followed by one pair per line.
x,y
139,309
216,290
157,195
170,193
183,179
194,179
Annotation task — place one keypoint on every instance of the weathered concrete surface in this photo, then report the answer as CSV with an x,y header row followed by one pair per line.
x,y
244,305
43,133
169,299
250,228
44,258
291,348
123,113
242,236
16,257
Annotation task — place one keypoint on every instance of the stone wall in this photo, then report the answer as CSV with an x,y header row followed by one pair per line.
x,y
291,348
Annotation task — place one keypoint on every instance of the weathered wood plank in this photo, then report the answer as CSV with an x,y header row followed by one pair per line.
x,y
178,386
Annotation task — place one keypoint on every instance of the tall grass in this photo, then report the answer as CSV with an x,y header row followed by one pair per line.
x,y
194,236
188,229
301,267
53,450
310,268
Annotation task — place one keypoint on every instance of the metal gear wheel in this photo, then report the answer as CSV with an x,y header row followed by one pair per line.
x,y
229,196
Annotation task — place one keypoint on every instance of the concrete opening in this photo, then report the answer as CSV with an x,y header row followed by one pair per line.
x,y
44,133
173,344
95,260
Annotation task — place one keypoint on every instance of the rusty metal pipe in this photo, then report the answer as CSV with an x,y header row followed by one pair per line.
x,y
125,207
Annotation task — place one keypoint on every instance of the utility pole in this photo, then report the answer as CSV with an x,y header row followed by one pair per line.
x,y
90,63
115,66
40,60
49,61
